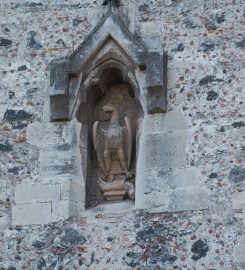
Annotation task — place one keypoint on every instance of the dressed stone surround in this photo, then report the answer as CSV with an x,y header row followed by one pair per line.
x,y
164,182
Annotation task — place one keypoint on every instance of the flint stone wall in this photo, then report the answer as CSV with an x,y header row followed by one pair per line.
x,y
205,44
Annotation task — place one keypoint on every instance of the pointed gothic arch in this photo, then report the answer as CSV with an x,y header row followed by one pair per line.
x,y
109,40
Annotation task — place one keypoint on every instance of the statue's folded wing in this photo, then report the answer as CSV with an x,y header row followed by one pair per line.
x,y
129,139
98,145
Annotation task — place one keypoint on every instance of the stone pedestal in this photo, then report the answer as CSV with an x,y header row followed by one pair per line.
x,y
115,190
115,195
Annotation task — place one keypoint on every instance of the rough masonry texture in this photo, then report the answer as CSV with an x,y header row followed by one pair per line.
x,y
189,210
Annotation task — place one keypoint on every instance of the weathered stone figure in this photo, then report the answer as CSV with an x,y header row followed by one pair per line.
x,y
113,136
113,146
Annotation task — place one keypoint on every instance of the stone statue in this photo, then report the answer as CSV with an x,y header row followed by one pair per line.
x,y
113,145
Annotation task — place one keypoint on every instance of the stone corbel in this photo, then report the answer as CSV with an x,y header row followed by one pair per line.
x,y
157,83
59,90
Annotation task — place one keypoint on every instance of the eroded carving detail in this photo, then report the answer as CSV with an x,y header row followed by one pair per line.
x,y
113,142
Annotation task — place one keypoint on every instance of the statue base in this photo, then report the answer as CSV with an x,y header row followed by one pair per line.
x,y
116,190
113,191
116,195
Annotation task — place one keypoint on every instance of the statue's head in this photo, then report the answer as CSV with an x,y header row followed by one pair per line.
x,y
116,93
109,108
116,98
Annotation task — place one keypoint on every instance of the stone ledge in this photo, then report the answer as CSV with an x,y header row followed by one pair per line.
x,y
28,193
31,214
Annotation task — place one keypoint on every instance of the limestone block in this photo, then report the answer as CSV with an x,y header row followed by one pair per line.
x,y
170,190
64,209
189,199
153,43
61,162
145,178
151,31
162,151
165,198
60,155
153,199
173,179
35,213
50,133
159,122
239,253
164,183
73,191
157,82
55,160
130,15
27,193
43,134
152,28
71,132
238,200
178,178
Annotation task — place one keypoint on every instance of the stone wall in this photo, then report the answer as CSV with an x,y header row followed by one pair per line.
x,y
205,43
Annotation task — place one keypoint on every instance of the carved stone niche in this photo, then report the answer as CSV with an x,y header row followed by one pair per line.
x,y
108,84
112,122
